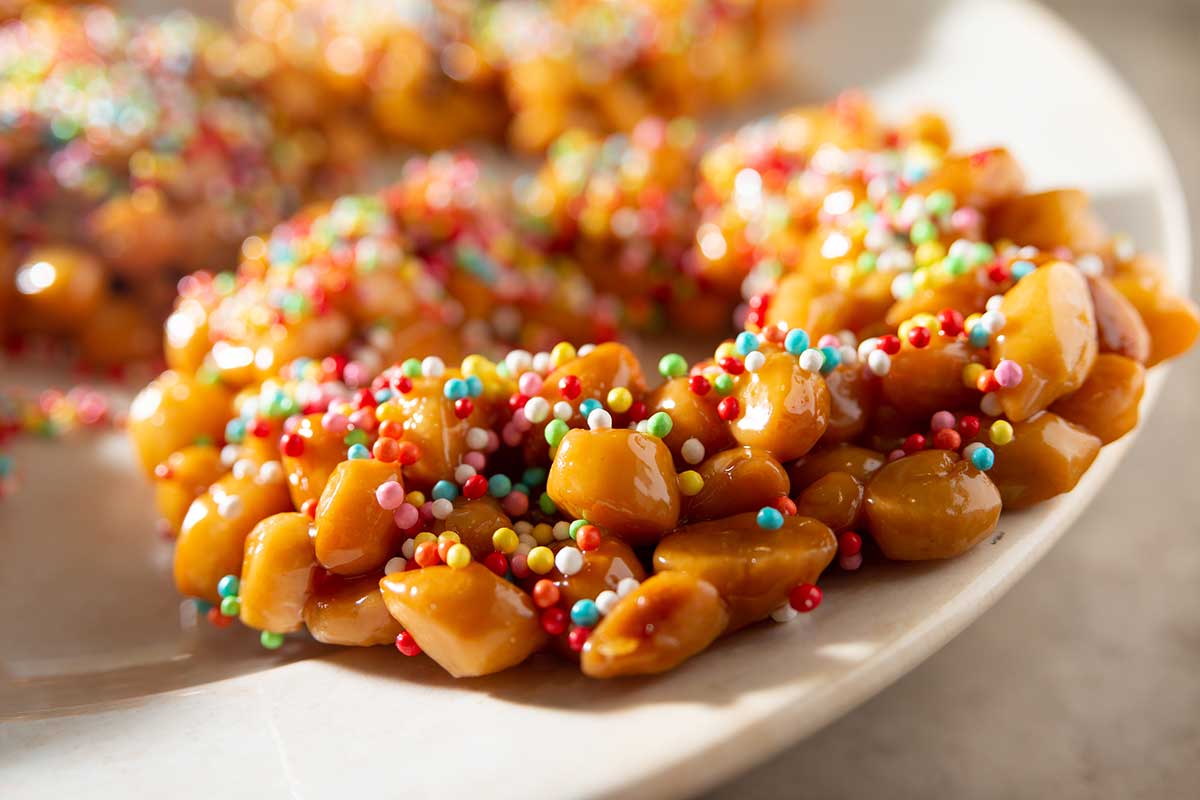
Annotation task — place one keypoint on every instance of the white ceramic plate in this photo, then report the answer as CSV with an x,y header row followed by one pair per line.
x,y
107,689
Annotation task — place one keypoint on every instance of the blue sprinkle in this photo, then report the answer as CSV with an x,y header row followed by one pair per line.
x,y
455,389
499,486
588,406
445,490
383,395
357,452
770,519
979,337
983,458
584,613
520,487
796,341
1022,268
235,430
228,586
534,476
746,343
832,359
474,386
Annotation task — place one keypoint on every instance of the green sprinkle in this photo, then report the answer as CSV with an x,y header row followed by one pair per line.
x,y
922,231
981,252
411,368
867,262
723,383
555,432
230,606
659,424
547,505
576,525
672,365
954,264
271,640
939,203
356,436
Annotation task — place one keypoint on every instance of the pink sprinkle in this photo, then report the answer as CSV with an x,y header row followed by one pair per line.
x,y
291,424
895,455
520,421
519,565
427,511
476,460
363,418
850,563
512,436
530,384
1008,373
515,504
942,420
390,495
355,374
829,340
966,219
336,424
493,443
406,516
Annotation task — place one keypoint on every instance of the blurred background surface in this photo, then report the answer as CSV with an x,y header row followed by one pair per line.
x,y
1082,681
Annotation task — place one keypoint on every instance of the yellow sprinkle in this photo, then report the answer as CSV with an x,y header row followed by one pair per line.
x,y
458,556
920,277
561,354
540,560
415,498
389,411
423,537
927,321
542,533
505,540
928,253
970,321
726,349
449,536
620,399
904,329
970,375
690,483
1001,432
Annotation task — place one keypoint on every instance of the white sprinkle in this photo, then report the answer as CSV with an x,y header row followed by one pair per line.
x,y
562,530
848,354
537,409
523,527
270,472
408,548
990,405
563,410
442,508
599,420
477,438
1090,264
585,350
229,454
433,367
229,506
569,560
785,613
992,321
812,360
541,363
993,302
463,472
692,451
395,565
627,585
606,601
518,361
243,468
879,362
755,361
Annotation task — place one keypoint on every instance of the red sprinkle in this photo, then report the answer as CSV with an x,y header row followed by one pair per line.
x,y
849,544
947,439
587,537
545,593
728,409
404,385
366,399
292,445
463,407
889,344
261,428
968,426
785,505
497,563
950,321
409,454
309,507
570,387
475,487
732,365
517,401
391,429
385,449
407,645
554,621
805,597
426,554
918,336
699,385
638,411
914,443
217,619
578,637
987,381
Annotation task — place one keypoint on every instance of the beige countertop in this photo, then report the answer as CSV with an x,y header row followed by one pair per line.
x,y
1084,681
